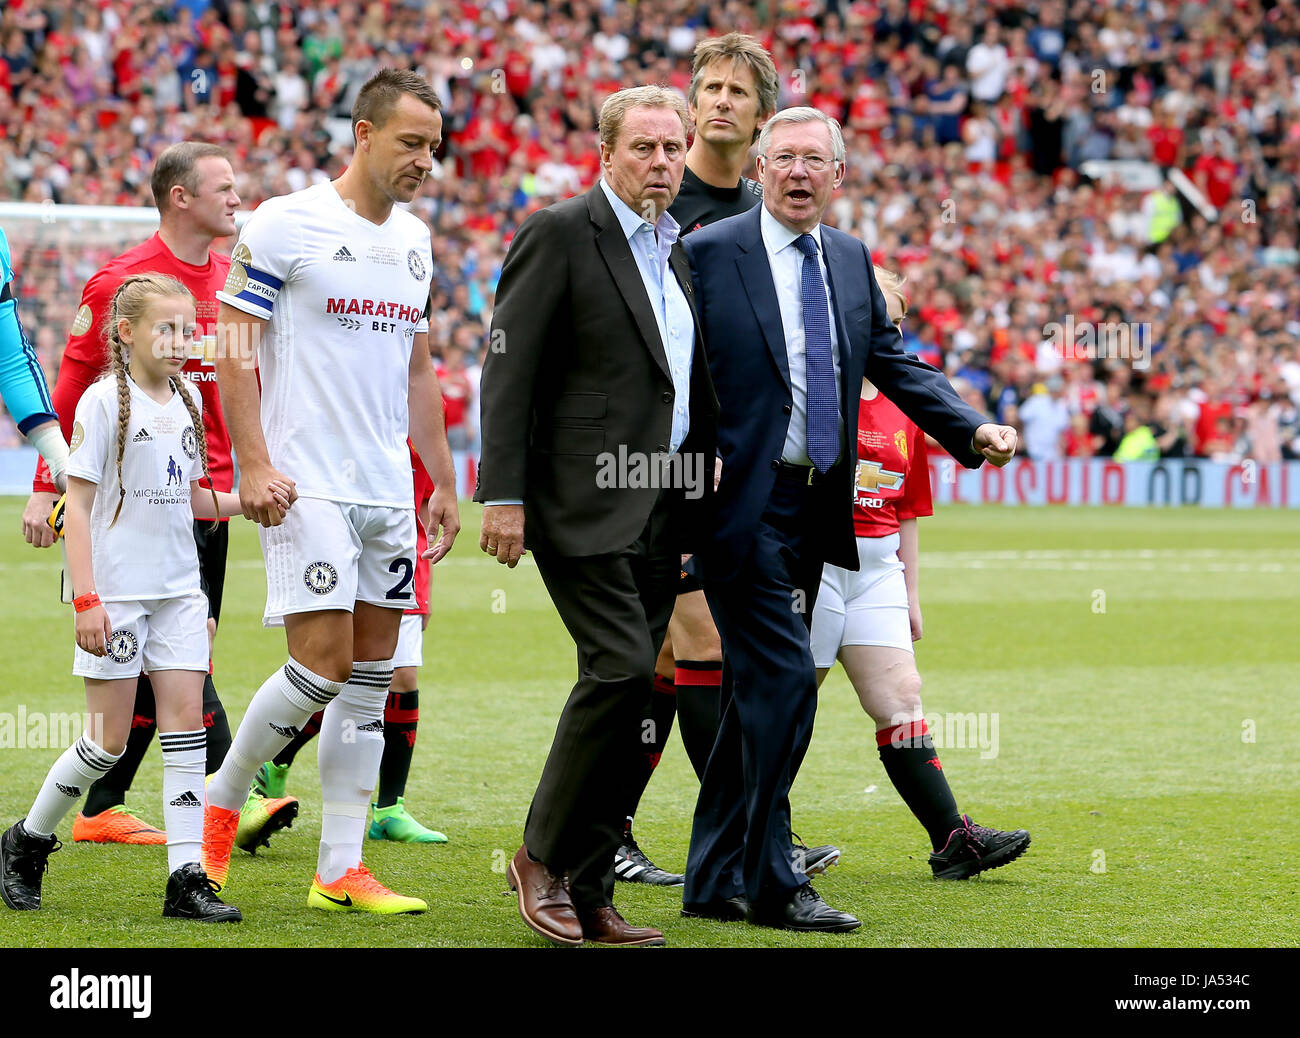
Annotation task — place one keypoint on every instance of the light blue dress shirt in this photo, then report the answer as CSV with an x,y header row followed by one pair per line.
x,y
667,300
786,263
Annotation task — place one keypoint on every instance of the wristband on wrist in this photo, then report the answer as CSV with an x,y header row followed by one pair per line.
x,y
87,601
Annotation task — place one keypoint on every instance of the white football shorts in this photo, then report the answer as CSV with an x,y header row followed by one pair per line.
x,y
868,607
410,642
153,634
330,555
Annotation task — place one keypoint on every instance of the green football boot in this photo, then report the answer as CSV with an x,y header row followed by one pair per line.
x,y
270,780
395,823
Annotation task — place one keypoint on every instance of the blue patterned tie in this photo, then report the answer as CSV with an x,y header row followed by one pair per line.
x,y
823,411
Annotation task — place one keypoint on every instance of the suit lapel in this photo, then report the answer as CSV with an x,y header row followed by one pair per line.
x,y
618,257
756,275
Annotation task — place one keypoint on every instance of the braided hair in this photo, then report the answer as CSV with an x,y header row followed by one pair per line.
x,y
129,302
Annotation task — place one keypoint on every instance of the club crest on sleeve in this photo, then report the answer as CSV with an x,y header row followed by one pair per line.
x,y
237,276
122,646
416,265
236,279
321,578
190,443
78,437
81,323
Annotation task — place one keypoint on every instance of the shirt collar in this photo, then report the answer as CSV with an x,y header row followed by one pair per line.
x,y
631,221
777,236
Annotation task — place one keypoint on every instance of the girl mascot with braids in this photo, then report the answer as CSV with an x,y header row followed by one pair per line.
x,y
137,453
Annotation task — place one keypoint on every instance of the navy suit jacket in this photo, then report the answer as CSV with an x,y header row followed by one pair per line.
x,y
741,321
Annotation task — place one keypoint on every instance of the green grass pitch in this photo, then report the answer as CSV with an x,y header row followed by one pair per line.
x,y
1142,666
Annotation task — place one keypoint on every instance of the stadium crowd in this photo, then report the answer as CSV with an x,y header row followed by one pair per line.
x,y
973,130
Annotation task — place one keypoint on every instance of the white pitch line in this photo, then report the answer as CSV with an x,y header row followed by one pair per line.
x,y
1119,553
1104,565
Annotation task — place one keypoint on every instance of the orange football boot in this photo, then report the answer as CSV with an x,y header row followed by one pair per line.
x,y
115,825
219,828
358,891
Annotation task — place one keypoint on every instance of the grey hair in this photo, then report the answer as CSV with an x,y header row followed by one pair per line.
x,y
617,105
803,114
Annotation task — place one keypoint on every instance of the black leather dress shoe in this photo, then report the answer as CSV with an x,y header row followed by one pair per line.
x,y
805,911
732,910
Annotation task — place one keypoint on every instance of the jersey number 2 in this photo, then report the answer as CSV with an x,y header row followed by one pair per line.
x,y
398,590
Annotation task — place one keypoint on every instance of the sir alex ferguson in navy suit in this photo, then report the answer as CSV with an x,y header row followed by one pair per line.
x,y
794,320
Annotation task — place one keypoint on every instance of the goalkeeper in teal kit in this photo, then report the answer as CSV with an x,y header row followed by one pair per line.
x,y
22,383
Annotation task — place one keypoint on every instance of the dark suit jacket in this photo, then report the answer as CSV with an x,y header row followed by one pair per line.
x,y
575,370
747,356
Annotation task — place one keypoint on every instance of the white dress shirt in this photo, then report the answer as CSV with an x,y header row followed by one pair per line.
x,y
786,262
651,245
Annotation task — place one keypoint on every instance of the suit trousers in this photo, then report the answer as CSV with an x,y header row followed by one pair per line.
x,y
616,608
740,838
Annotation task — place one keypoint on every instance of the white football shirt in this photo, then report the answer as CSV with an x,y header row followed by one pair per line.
x,y
150,551
342,297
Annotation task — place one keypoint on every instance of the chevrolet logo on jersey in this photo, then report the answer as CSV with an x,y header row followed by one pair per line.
x,y
204,350
871,477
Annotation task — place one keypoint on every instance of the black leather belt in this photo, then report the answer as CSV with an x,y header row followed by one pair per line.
x,y
804,474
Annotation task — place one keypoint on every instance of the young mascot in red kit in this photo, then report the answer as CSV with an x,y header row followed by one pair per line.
x,y
870,618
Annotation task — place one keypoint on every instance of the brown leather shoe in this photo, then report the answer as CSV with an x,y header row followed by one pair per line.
x,y
606,926
544,900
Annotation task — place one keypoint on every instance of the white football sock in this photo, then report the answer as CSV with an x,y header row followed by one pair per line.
x,y
351,747
77,769
280,707
183,754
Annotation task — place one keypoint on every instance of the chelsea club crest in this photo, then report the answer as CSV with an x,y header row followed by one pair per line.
x,y
321,578
122,646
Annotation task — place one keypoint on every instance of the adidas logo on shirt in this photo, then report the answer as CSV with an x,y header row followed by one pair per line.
x,y
344,255
187,799
142,437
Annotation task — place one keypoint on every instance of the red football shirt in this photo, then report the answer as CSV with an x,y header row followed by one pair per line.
x,y
893,473
85,358
423,491
455,394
